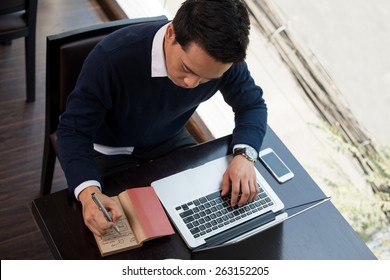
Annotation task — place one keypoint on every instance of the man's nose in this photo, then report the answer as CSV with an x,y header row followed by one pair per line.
x,y
192,81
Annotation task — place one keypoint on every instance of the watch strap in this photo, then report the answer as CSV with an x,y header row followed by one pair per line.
x,y
245,153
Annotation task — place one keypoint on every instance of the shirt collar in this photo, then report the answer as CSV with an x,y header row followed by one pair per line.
x,y
158,59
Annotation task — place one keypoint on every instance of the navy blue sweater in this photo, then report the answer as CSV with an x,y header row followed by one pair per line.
x,y
117,103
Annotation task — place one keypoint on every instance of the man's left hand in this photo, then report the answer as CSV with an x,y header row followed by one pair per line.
x,y
240,178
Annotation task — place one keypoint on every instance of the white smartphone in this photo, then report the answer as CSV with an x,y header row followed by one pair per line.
x,y
275,165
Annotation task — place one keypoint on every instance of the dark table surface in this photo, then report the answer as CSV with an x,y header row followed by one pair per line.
x,y
320,233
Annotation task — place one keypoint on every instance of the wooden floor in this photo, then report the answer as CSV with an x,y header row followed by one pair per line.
x,y
22,127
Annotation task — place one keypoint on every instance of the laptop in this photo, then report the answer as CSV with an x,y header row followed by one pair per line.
x,y
206,220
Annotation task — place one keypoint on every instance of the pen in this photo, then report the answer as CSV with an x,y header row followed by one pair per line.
x,y
104,210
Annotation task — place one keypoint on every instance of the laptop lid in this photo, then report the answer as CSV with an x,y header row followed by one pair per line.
x,y
181,193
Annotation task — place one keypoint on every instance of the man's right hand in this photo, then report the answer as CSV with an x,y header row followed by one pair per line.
x,y
93,217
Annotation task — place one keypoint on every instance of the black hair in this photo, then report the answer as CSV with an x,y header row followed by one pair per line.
x,y
220,27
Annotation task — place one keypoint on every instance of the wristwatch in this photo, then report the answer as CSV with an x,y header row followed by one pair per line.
x,y
248,152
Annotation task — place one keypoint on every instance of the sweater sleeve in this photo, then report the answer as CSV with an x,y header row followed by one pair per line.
x,y
250,110
85,111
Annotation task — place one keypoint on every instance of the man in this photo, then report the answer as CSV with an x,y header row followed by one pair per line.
x,y
139,87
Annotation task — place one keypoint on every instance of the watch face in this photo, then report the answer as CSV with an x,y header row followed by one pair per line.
x,y
248,152
251,153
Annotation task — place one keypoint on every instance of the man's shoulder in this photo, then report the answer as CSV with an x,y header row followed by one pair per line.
x,y
236,71
142,33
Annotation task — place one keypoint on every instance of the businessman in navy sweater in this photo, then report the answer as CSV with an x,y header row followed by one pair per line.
x,y
139,87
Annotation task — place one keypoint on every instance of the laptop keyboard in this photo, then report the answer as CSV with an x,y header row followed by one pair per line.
x,y
212,212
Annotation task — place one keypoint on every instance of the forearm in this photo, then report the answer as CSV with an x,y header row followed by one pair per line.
x,y
250,110
76,158
250,128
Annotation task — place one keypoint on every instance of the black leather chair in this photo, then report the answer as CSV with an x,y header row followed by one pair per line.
x,y
17,20
65,56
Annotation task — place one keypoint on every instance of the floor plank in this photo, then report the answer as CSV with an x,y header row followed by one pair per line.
x,y
22,128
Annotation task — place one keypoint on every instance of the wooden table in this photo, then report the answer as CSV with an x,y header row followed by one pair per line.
x,y
320,233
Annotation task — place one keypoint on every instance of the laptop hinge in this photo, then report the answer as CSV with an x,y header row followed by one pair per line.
x,y
237,230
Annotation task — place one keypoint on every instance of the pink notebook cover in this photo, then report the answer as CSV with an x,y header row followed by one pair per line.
x,y
150,212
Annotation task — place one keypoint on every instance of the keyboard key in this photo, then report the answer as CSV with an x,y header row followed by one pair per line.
x,y
188,219
185,207
195,230
213,195
186,213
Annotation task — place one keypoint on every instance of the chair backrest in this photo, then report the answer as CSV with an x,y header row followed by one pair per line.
x,y
17,18
11,6
65,55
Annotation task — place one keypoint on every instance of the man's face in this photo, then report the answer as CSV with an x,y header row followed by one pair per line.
x,y
193,67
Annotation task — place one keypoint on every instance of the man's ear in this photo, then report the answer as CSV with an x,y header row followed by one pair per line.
x,y
170,33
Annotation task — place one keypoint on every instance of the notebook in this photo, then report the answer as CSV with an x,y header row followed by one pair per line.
x,y
204,219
